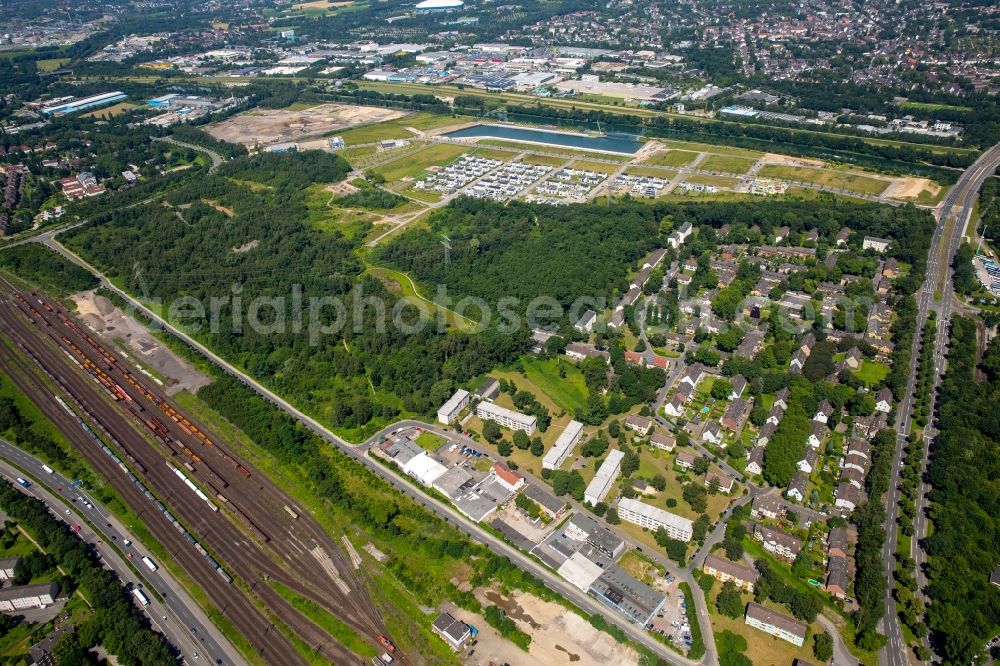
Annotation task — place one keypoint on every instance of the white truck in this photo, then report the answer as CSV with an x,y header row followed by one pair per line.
x,y
140,597
150,564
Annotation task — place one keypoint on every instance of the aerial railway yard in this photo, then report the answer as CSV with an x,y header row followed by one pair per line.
x,y
217,516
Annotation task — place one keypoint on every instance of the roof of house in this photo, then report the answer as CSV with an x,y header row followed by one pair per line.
x,y
837,573
686,457
799,482
507,474
663,439
818,429
725,481
995,576
538,494
768,503
447,624
776,619
640,422
837,539
783,539
757,455
34,590
847,492
733,569
885,394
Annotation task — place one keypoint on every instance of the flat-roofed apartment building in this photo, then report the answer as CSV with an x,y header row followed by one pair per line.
x,y
449,411
568,438
508,418
649,516
605,477
776,624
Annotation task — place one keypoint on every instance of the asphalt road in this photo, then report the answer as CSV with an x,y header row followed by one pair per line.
x,y
953,216
177,613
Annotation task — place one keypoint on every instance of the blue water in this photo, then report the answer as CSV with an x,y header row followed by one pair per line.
x,y
616,144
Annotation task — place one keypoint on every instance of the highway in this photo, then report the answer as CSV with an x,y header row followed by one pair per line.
x,y
442,509
935,294
177,614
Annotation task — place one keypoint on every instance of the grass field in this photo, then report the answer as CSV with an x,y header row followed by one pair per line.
x,y
727,164
839,179
927,106
545,160
871,373
401,284
568,152
111,111
652,172
430,441
599,167
396,129
761,648
414,164
673,158
718,181
569,391
51,65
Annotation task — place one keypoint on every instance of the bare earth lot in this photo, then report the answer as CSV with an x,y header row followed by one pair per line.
x,y
103,316
267,126
558,636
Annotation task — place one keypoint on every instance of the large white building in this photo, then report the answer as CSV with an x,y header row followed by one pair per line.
x,y
653,518
508,418
606,475
456,403
424,469
569,437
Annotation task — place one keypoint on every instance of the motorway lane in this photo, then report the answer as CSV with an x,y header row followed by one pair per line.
x,y
177,613
964,195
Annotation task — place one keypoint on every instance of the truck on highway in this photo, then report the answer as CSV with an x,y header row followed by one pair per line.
x,y
48,470
150,564
140,597
23,482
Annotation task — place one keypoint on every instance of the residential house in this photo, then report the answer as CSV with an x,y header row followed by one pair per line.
x,y
776,624
823,412
781,234
780,544
775,415
817,433
739,383
605,477
581,350
724,482
847,496
808,463
549,503
766,433
883,400
798,487
694,374
836,542
684,460
843,235
736,415
712,433
653,518
837,577
678,236
586,323
723,570
508,418
450,410
507,478
675,406
798,361
489,389
853,476
781,399
995,576
755,461
853,358
890,269
639,424
663,441
766,506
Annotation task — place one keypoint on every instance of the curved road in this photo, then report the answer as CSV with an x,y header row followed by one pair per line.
x,y
212,155
177,614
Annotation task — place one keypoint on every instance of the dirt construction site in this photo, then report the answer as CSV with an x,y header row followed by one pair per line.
x,y
262,127
558,635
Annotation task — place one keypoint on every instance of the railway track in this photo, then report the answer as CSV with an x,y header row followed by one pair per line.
x,y
273,545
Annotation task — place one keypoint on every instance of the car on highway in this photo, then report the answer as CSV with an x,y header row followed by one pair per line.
x,y
76,528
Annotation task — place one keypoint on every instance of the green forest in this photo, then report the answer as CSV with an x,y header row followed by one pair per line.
x,y
359,379
964,545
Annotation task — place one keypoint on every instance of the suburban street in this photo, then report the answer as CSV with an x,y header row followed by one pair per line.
x,y
935,294
177,614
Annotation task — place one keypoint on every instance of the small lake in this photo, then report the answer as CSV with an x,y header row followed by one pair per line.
x,y
625,145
